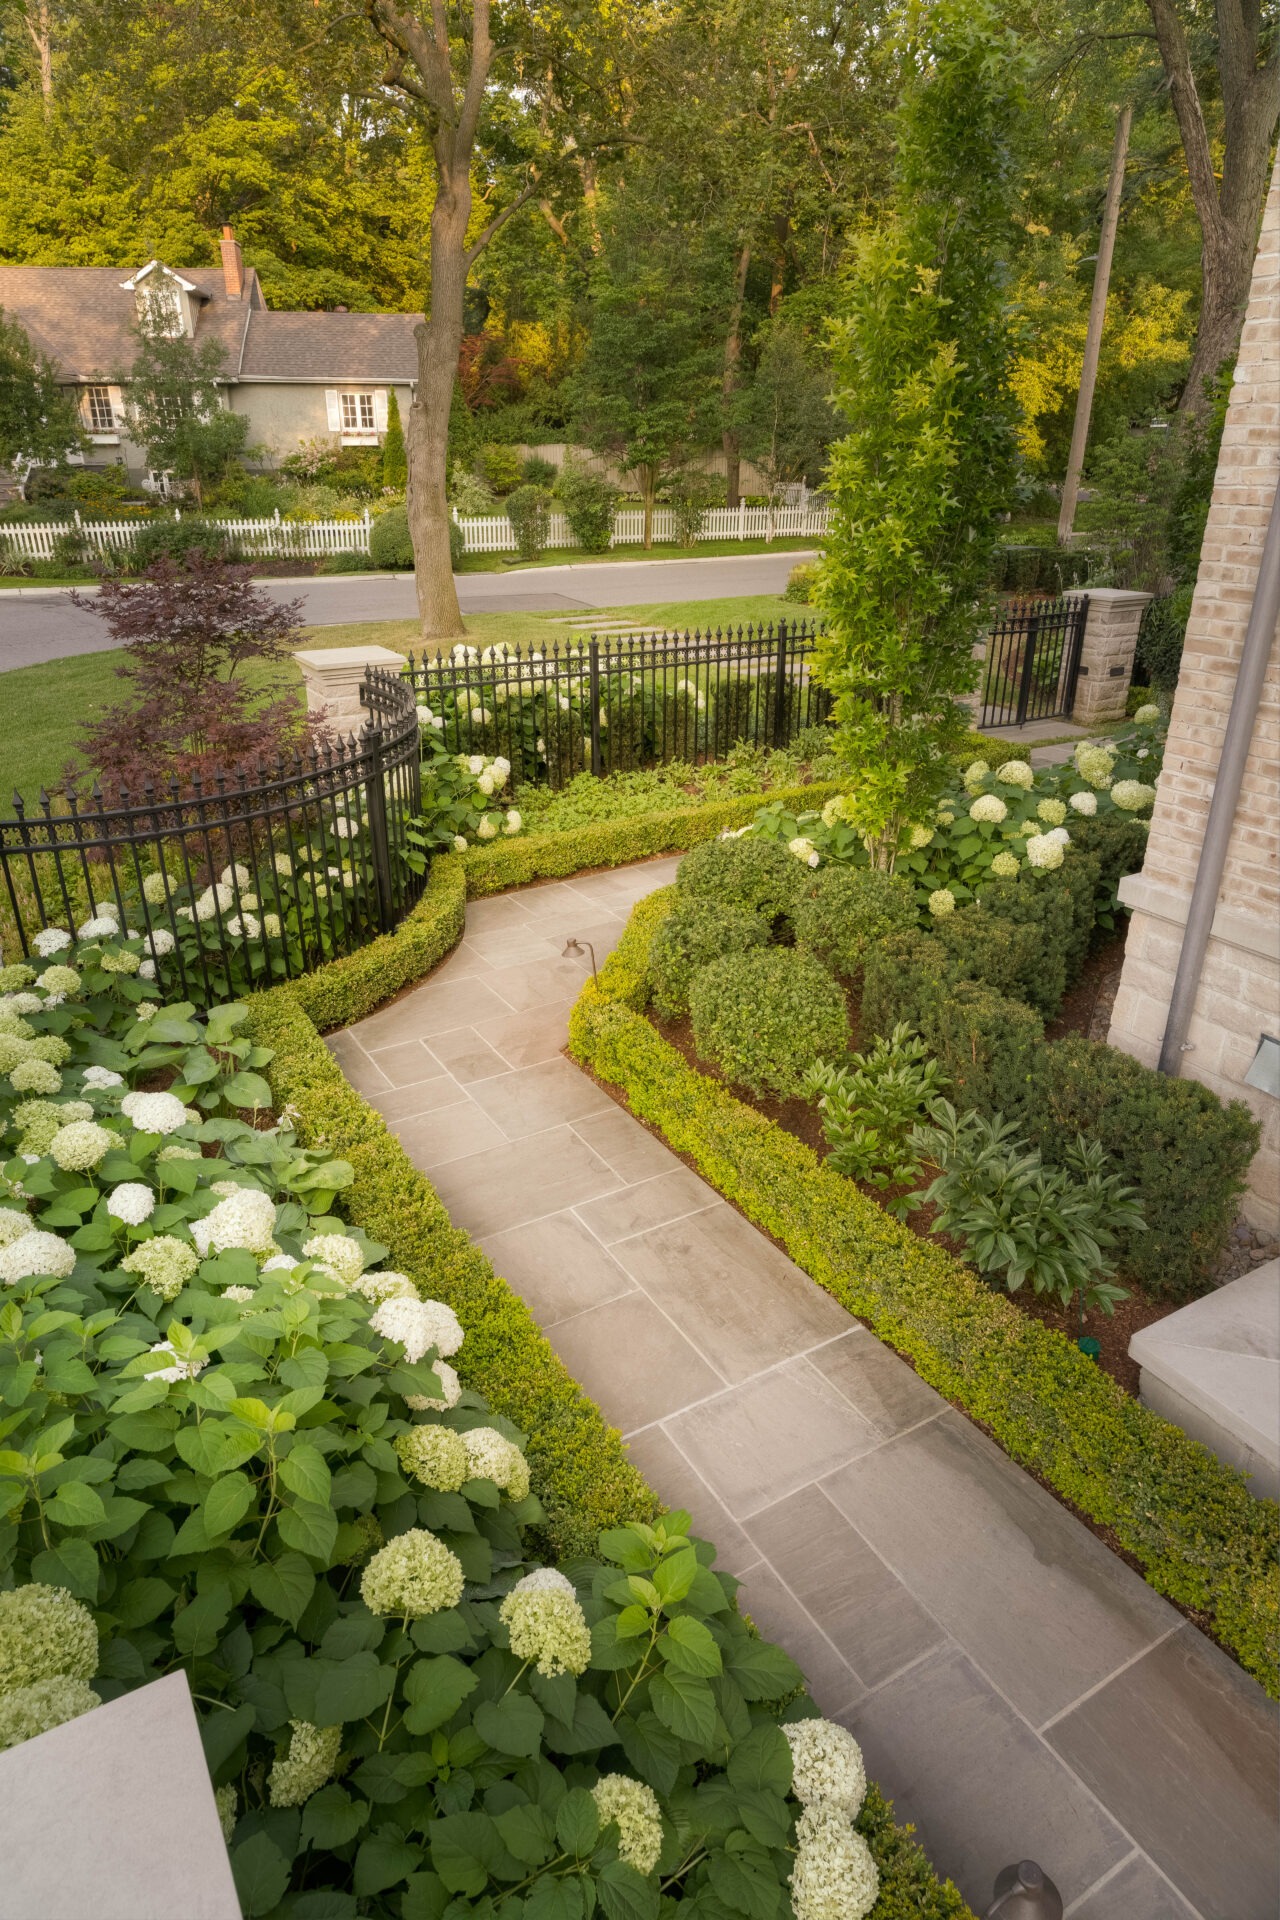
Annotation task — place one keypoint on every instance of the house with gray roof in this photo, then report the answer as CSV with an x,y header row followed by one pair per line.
x,y
299,377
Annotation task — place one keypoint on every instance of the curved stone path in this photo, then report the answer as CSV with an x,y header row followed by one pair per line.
x,y
1018,1691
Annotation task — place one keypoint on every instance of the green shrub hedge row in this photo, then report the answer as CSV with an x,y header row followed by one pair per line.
x,y
1186,1153
1187,1519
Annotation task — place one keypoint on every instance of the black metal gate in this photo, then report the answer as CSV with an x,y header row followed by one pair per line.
x,y
1033,660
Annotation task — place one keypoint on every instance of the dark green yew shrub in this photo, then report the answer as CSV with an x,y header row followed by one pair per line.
x,y
688,940
842,910
754,875
764,1018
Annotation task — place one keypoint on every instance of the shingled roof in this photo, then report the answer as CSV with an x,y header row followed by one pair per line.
x,y
82,318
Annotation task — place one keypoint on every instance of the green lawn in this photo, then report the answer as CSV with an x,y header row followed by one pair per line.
x,y
46,706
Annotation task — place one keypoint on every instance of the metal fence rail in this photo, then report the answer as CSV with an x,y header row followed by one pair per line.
x,y
1033,661
235,882
612,705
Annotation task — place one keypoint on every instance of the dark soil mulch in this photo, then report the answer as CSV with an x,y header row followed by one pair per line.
x,y
1088,1004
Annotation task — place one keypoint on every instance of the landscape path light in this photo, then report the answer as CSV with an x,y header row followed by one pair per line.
x,y
574,949
1024,1892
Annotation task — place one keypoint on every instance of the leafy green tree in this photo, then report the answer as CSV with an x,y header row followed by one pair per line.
x,y
38,421
784,420
173,408
395,466
922,365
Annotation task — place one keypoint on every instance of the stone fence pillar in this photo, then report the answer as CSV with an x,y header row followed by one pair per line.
x,y
1106,654
332,676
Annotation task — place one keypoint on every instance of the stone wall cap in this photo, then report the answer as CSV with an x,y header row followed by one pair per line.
x,y
342,659
1222,1354
1231,926
1115,597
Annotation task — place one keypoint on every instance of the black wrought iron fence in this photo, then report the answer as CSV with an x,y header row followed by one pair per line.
x,y
1033,661
611,704
233,883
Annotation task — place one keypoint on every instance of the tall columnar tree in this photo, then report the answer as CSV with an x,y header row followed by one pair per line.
x,y
395,466
922,364
38,420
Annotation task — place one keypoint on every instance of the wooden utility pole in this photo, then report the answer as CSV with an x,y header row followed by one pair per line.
x,y
1093,339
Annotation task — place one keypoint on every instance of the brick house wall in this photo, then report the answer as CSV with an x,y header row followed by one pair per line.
x,y
1239,995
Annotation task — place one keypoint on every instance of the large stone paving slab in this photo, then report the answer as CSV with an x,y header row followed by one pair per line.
x,y
981,1788
1044,1607
771,1436
1182,1746
558,1267
1135,1891
522,1180
632,1360
733,1292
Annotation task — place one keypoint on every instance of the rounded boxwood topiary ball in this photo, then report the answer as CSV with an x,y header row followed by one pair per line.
x,y
754,875
763,1018
696,933
843,910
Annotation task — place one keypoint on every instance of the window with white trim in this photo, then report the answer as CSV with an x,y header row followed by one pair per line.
x,y
357,412
98,410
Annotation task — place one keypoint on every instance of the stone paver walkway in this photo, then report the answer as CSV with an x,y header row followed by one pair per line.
x,y
1018,1691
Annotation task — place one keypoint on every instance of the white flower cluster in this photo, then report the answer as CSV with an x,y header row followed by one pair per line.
x,y
834,1877
546,1624
1148,715
79,1147
309,1763
491,1456
338,1256
428,719
163,1263
804,849
131,1202
177,1369
412,1575
1045,851
633,1808
1095,764
33,1254
1016,773
989,806
102,1079
1085,803
437,1456
244,1219
942,901
51,940
156,1112
377,1287
1006,866
418,1326
450,1391
1132,796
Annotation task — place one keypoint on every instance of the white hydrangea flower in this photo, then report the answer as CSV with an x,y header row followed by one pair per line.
x,y
132,1203
1059,834
227,1801
280,1263
633,1808
450,1391
491,1456
459,842
418,1326
29,1711
44,1631
245,1219
920,836
835,1876
475,763
309,1763
235,876
941,901
51,940
1095,764
243,926
1146,715
155,1112
282,864
178,1370
1085,803
486,784
1016,773
500,768
155,889
487,830
425,716
97,927
975,773
213,901
414,1574
1006,866
514,820
80,1146
12,1226
1044,852
546,1624
164,1264
160,942
35,1253
436,1456
377,1287
1052,812
102,1078
338,1254
241,1295
989,806
464,652
1132,795
827,1765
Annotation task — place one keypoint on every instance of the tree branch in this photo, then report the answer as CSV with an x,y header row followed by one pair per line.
x,y
1176,56
499,221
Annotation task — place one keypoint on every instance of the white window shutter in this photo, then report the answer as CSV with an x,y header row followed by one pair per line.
x,y
380,409
116,397
333,409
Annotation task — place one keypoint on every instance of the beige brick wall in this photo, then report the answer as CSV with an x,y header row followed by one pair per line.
x,y
1239,995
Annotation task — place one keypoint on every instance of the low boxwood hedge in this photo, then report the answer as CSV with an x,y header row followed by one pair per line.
x,y
1188,1520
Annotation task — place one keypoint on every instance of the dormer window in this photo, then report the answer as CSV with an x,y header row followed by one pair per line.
x,y
166,303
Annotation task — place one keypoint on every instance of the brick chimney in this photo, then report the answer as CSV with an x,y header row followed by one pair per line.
x,y
232,264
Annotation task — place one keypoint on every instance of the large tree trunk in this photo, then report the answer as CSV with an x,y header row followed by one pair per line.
x,y
439,340
39,27
1229,210
731,378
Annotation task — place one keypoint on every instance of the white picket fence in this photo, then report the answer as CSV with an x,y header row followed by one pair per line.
x,y
277,538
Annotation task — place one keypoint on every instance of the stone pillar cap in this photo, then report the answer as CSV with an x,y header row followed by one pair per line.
x,y
342,659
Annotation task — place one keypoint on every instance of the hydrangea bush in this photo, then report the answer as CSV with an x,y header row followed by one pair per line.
x,y
463,796
231,1444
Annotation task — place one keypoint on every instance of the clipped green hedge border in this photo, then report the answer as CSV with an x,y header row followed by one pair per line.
x,y
1199,1535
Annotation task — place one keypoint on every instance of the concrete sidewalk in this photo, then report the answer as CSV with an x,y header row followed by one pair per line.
x,y
1018,1690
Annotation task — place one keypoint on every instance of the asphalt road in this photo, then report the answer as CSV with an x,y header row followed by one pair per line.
x,y
41,623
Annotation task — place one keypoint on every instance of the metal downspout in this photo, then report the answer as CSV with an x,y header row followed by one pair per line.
x,y
1256,652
